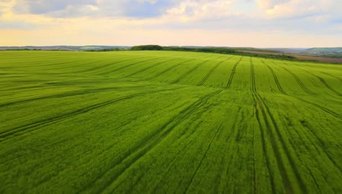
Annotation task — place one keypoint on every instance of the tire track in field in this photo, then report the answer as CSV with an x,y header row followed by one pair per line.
x,y
263,136
200,103
253,89
266,112
322,108
147,144
49,121
313,104
294,145
321,144
173,161
166,171
276,80
324,83
101,154
53,64
12,89
189,71
299,82
104,66
220,186
71,67
328,86
168,69
129,65
263,113
205,78
148,67
332,113
218,130
66,94
338,78
319,151
232,73
170,164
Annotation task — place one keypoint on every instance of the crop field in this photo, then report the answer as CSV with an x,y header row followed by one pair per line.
x,y
168,122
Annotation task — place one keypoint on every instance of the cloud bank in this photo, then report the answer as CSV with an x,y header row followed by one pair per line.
x,y
250,22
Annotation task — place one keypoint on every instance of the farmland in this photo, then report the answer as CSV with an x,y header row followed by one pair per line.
x,y
168,122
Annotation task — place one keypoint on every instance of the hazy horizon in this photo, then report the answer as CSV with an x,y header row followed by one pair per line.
x,y
227,46
229,23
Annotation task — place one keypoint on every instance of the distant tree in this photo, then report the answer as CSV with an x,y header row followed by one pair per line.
x,y
147,47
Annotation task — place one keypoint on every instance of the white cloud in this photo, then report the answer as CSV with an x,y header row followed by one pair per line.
x,y
98,21
298,8
201,9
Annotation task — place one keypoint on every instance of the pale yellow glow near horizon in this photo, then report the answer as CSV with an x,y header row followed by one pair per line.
x,y
54,36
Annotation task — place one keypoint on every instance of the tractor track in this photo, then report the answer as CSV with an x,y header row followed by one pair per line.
x,y
299,82
324,109
147,144
218,130
148,67
232,73
205,78
49,121
129,65
168,69
263,113
276,80
65,95
189,72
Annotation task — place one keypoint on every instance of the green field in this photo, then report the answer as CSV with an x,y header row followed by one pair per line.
x,y
168,122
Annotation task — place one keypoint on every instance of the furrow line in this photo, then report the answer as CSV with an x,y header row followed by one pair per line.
x,y
165,172
168,69
170,126
263,144
328,86
253,83
147,68
232,73
218,129
173,161
274,133
283,145
189,72
221,178
322,81
276,80
104,66
332,113
205,78
263,135
280,163
338,78
66,94
300,83
129,65
45,122
145,146
321,143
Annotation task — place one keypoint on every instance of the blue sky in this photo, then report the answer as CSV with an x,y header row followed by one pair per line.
x,y
257,23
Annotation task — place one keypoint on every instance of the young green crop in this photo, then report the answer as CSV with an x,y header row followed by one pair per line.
x,y
168,122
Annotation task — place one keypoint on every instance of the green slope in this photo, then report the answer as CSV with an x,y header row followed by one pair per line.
x,y
168,122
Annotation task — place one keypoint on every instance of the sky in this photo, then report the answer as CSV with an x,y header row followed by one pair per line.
x,y
237,23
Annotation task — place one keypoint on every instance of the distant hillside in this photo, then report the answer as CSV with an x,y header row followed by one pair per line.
x,y
327,55
329,52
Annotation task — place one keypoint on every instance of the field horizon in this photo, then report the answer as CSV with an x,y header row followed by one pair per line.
x,y
168,122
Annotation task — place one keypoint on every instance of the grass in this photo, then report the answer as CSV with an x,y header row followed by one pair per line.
x,y
168,122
